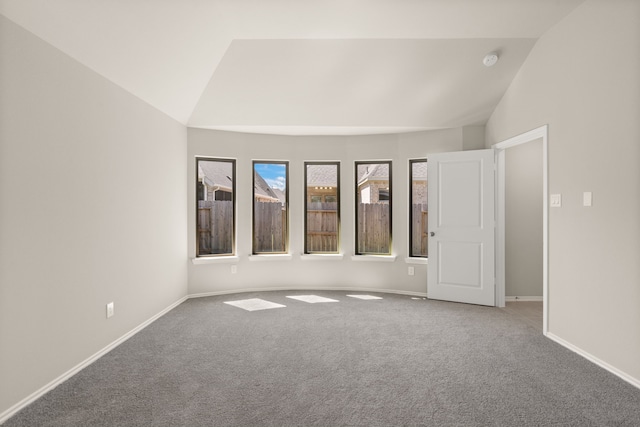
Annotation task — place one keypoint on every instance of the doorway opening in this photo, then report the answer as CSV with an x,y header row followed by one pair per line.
x,y
503,240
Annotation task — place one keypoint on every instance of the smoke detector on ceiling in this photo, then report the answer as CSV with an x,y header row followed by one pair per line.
x,y
490,59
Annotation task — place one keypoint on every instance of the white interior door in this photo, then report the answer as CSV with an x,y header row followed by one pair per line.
x,y
461,227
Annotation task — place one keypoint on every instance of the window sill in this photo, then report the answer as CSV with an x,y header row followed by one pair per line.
x,y
321,257
416,260
374,258
271,257
215,260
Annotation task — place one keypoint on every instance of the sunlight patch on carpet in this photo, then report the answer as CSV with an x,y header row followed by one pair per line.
x,y
364,296
254,304
312,299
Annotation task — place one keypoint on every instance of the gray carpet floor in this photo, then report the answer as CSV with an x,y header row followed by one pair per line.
x,y
396,361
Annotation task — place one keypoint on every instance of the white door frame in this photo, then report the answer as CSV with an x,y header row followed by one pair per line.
x,y
535,134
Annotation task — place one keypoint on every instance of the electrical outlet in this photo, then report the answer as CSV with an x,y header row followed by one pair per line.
x,y
110,309
234,269
411,271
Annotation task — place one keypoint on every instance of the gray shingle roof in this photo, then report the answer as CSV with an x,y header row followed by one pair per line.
x,y
372,171
216,173
262,188
281,195
322,176
419,171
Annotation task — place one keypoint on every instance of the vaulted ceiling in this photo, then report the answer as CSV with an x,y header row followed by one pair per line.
x,y
301,66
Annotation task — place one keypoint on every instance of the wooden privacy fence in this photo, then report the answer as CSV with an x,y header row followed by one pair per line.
x,y
215,227
322,227
419,237
270,227
373,228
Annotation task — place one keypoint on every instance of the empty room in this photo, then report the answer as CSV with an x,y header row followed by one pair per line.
x,y
330,213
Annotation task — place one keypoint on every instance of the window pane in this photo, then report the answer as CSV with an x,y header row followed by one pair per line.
x,y
322,221
270,207
418,232
215,195
373,208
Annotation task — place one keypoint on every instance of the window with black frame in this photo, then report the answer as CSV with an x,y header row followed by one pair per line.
x,y
270,207
215,206
322,207
373,208
418,209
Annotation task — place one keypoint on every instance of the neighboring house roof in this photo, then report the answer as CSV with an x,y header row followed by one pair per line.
x,y
322,176
281,195
326,175
372,172
419,172
262,188
216,174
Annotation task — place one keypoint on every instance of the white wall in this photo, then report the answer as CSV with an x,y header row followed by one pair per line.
x,y
92,210
297,273
581,78
523,220
473,137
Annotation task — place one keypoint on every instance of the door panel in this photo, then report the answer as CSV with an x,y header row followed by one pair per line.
x,y
453,254
461,206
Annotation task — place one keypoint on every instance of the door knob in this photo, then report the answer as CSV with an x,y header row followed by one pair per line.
x,y
433,233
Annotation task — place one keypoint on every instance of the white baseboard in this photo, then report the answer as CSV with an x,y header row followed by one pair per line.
x,y
4,416
590,357
59,380
518,298
288,288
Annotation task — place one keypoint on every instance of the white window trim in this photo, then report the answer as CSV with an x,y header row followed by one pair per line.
x,y
321,257
374,258
221,259
270,257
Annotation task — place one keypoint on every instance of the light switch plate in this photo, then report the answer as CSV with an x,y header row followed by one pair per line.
x,y
556,200
110,310
587,198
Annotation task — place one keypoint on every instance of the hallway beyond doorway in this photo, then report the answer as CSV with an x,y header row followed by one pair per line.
x,y
529,312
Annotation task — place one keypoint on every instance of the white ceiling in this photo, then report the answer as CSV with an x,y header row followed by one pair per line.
x,y
301,66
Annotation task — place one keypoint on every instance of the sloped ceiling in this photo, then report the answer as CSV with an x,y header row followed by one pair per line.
x,y
301,67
